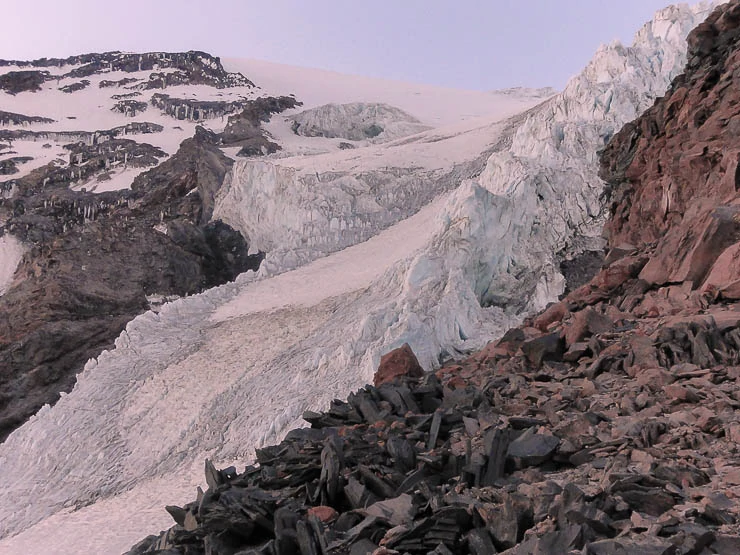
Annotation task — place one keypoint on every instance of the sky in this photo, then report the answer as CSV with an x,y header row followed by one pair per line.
x,y
470,44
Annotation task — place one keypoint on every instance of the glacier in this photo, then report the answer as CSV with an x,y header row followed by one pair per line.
x,y
475,256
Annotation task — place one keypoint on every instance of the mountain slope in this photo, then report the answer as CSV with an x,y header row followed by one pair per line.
x,y
219,358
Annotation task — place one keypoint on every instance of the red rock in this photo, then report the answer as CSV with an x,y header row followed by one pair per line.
x,y
323,513
690,249
553,313
725,274
680,393
398,362
618,273
586,323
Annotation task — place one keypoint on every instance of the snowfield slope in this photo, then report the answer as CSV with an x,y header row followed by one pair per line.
x,y
514,198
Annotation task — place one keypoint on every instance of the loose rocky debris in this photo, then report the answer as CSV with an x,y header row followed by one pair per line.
x,y
497,455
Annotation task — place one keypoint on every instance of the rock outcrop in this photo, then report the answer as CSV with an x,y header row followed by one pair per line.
x,y
129,107
88,137
10,118
674,173
76,86
93,259
245,128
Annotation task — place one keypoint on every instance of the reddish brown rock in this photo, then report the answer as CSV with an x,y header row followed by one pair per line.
x,y
586,323
725,274
674,172
323,513
553,313
399,362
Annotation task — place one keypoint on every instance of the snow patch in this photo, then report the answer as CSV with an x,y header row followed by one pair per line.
x,y
11,252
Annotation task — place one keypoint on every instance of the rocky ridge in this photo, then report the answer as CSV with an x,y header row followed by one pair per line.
x,y
193,67
606,424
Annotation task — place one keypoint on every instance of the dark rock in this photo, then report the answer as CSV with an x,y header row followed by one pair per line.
x,y
195,110
106,83
510,524
580,269
129,107
192,67
14,82
532,449
74,87
67,306
545,347
245,130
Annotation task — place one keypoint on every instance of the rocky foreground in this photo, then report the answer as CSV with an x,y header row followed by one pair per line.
x,y
607,424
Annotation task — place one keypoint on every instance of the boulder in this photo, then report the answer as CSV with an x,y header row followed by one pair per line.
x,y
399,362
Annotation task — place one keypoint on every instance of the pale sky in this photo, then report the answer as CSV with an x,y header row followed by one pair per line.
x,y
473,44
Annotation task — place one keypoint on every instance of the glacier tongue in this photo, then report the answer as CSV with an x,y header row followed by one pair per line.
x,y
221,373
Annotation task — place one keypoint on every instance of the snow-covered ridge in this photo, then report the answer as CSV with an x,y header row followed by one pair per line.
x,y
192,381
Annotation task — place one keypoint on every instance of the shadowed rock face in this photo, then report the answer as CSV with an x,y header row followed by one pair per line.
x,y
95,258
245,128
15,82
674,171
